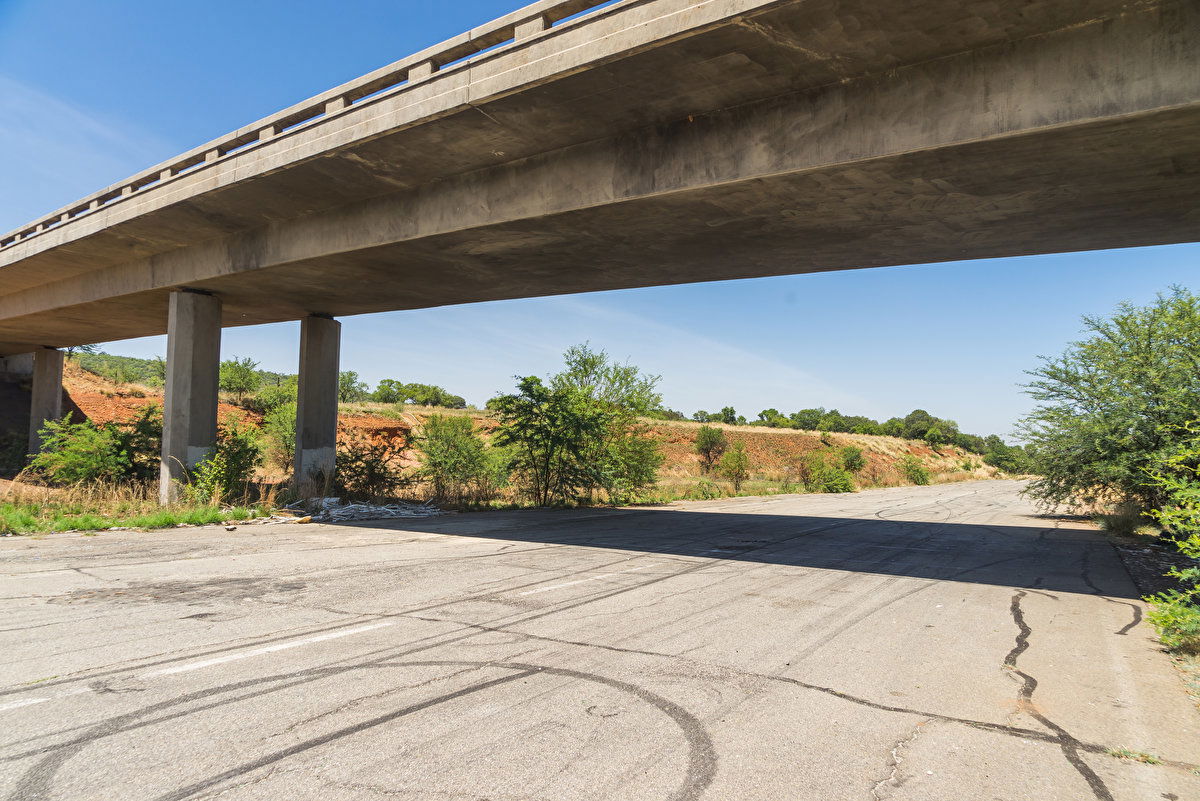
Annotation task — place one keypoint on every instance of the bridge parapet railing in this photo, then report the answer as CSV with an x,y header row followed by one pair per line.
x,y
523,24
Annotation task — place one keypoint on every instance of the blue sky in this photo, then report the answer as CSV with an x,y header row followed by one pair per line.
x,y
91,92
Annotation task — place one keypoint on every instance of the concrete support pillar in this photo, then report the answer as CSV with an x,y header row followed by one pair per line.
x,y
190,406
46,397
317,403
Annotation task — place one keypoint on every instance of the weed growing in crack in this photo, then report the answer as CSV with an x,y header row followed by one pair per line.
x,y
1136,756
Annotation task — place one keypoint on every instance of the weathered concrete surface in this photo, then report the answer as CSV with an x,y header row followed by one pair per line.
x,y
883,645
317,401
663,141
190,393
46,393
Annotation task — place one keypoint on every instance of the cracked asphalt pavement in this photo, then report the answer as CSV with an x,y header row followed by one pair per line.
x,y
922,643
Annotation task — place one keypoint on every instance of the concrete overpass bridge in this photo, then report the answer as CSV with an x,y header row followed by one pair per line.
x,y
575,146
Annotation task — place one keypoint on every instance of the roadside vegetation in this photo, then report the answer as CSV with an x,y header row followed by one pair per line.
x,y
596,432
1116,434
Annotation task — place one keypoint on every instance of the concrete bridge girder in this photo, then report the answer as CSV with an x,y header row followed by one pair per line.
x,y
1007,150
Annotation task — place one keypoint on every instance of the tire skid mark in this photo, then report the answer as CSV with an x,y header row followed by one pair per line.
x,y
439,640
999,728
1069,745
36,783
360,618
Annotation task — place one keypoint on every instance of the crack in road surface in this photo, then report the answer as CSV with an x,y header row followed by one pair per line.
x,y
1069,745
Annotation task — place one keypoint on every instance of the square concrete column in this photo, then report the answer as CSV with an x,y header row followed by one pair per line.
x,y
190,406
317,404
46,398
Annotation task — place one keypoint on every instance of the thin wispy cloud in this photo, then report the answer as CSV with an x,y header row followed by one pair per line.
x,y
56,152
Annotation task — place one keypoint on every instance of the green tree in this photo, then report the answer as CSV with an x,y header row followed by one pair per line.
x,y
729,416
1115,403
581,432
350,389
627,458
431,395
239,377
772,418
389,390
710,444
735,465
807,419
551,434
936,436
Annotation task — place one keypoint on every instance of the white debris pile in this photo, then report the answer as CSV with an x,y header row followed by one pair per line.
x,y
345,513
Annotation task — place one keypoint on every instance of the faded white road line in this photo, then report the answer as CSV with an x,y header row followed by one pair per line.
x,y
42,699
283,646
581,581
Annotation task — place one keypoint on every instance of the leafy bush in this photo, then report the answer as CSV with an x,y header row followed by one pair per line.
x,y
711,444
1176,613
141,440
279,425
78,453
368,468
272,396
852,459
832,479
458,462
704,490
735,465
914,470
630,464
824,472
226,473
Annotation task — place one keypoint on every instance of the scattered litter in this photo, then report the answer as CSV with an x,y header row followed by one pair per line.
x,y
337,513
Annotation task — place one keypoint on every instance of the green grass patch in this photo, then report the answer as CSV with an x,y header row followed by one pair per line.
x,y
34,518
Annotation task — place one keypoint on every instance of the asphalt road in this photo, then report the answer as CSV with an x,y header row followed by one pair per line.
x,y
917,643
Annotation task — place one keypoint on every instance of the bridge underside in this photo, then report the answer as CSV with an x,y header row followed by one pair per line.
x,y
788,140
1108,185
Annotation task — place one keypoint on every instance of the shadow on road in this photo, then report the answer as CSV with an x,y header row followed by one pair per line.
x,y
1035,556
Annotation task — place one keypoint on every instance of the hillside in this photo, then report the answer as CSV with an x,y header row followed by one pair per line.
x,y
775,453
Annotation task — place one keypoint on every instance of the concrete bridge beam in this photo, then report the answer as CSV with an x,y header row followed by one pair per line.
x,y
317,404
46,396
190,405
